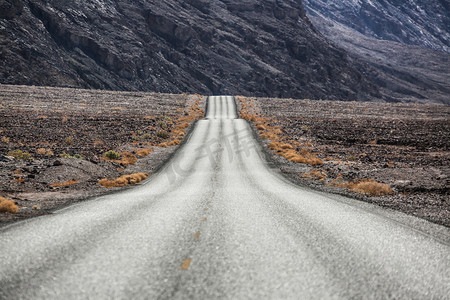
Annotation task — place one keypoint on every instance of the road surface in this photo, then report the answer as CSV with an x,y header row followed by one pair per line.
x,y
218,223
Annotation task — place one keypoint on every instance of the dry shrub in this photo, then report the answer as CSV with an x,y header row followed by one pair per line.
x,y
43,151
67,183
171,143
124,158
69,140
5,139
7,205
142,152
367,187
372,188
20,154
123,180
19,180
315,175
127,159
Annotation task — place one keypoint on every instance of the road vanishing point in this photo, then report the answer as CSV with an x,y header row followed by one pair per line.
x,y
218,221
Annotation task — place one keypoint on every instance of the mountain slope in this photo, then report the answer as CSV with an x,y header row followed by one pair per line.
x,y
415,22
262,48
404,72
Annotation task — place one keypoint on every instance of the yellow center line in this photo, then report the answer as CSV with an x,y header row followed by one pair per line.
x,y
186,264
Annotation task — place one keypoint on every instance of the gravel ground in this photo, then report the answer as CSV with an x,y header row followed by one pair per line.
x,y
406,146
49,123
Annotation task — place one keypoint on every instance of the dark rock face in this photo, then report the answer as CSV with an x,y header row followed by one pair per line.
x,y
249,47
10,8
419,22
403,72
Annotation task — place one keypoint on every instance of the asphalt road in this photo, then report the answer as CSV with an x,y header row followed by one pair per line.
x,y
218,223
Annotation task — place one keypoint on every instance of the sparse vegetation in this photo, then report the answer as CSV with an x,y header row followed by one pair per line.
x,y
162,134
315,175
69,140
7,205
112,155
171,143
142,152
19,154
123,180
367,186
44,151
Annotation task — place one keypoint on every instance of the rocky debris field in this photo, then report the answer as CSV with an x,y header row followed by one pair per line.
x,y
53,141
405,146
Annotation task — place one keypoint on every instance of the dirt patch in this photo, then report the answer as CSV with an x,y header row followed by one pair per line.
x,y
53,141
403,146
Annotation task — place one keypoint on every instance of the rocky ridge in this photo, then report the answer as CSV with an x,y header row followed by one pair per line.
x,y
211,47
414,22
403,63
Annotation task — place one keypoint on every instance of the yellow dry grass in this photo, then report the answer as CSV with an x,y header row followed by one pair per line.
x,y
171,143
7,205
123,180
127,158
142,152
372,188
43,151
315,175
367,187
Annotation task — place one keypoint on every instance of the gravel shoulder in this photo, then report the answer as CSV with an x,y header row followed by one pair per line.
x,y
67,131
405,146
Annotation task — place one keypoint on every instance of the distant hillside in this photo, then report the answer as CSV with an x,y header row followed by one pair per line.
x,y
396,39
416,22
249,47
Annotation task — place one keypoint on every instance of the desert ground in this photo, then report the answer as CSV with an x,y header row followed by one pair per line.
x,y
53,145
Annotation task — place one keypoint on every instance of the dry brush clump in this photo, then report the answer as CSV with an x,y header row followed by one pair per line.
x,y
7,205
315,175
44,151
142,152
19,154
366,186
123,180
123,158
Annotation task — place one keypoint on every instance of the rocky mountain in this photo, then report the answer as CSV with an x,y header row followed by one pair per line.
x,y
396,38
249,47
415,22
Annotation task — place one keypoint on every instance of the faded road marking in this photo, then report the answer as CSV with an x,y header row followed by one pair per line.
x,y
186,264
